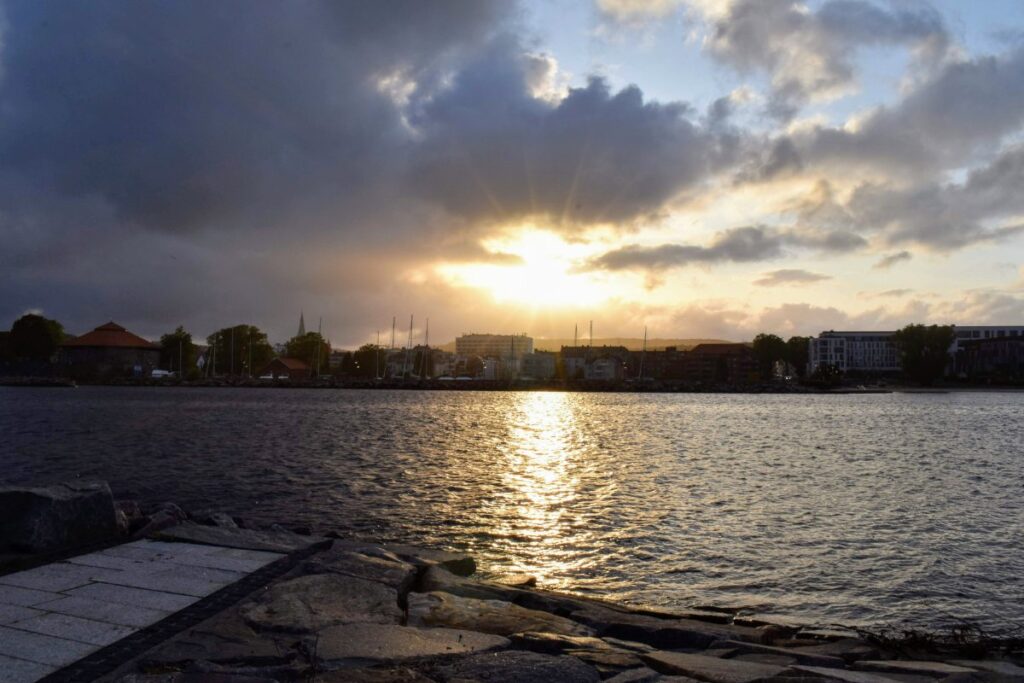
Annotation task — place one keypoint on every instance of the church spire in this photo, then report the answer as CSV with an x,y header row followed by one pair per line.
x,y
302,324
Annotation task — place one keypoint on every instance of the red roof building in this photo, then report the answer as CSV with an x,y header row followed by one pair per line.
x,y
110,351
286,368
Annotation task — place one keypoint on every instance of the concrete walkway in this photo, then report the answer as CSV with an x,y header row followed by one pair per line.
x,y
54,615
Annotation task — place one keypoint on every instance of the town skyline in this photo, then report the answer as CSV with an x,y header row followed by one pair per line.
x,y
698,168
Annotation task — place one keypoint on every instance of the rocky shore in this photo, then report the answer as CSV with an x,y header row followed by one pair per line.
x,y
341,609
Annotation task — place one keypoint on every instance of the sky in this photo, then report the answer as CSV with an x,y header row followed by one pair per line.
x,y
699,168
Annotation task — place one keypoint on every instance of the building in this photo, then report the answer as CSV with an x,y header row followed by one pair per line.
x,y
996,359
109,351
875,353
512,346
286,368
576,360
869,352
538,365
714,364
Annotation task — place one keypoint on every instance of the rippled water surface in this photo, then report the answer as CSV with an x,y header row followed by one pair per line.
x,y
854,509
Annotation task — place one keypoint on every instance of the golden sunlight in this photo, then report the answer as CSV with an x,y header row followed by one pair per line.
x,y
544,276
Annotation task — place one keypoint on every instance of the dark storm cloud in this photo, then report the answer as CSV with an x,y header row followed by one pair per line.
x,y
492,152
186,115
790,276
738,245
807,52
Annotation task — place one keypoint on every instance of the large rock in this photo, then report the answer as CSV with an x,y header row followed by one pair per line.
x,y
520,667
310,603
352,645
279,541
62,516
653,631
800,655
486,616
557,644
710,669
911,667
437,578
841,674
457,563
389,571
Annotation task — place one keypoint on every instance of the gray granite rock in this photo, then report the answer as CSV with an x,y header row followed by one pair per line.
x,y
556,643
310,603
848,649
457,563
223,639
711,669
842,674
799,655
519,667
776,660
352,645
607,662
896,666
998,666
640,675
61,516
247,539
486,616
653,631
391,572
399,674
437,578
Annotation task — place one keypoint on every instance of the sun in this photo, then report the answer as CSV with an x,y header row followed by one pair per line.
x,y
542,272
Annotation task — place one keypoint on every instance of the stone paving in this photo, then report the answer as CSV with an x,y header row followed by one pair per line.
x,y
56,614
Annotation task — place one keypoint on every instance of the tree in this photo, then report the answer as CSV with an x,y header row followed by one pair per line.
x,y
768,348
177,352
924,350
797,354
306,348
238,350
368,361
34,337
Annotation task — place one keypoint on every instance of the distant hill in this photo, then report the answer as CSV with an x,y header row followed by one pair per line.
x,y
631,343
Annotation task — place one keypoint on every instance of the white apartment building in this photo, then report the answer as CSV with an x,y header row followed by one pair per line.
x,y
875,352
494,345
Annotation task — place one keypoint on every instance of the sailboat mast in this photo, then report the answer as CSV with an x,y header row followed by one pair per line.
x,y
408,348
643,352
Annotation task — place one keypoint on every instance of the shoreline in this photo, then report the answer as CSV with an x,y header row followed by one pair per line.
x,y
342,608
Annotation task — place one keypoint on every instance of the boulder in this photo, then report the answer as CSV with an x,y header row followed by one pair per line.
x,y
710,669
486,616
653,631
309,603
62,516
520,667
389,571
841,674
998,666
352,645
222,639
397,674
641,675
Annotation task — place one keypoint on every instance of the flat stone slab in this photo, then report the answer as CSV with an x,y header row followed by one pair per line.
x,y
395,572
997,666
795,654
710,669
310,603
52,616
844,674
520,667
244,539
351,644
486,616
457,563
897,666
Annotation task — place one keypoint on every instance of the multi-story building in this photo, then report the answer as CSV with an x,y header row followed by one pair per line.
x,y
711,364
508,346
856,351
537,365
996,359
874,352
577,359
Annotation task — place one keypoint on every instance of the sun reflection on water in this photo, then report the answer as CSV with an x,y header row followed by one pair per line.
x,y
541,483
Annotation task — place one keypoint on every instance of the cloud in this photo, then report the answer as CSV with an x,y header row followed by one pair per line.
x,y
790,276
892,259
490,153
808,53
738,245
